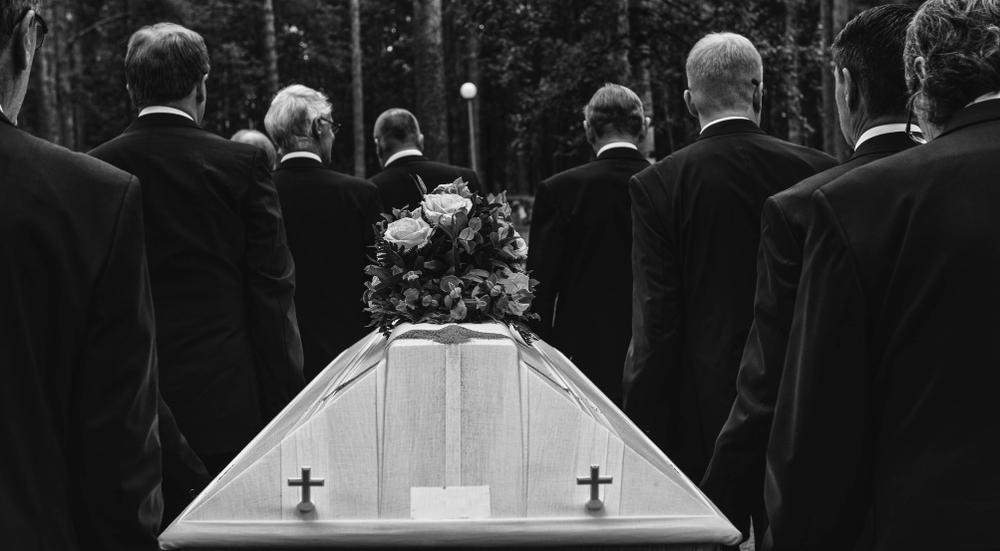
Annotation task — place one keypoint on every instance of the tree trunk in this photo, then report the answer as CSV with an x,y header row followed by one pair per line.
x,y
621,54
432,110
357,90
270,48
645,80
48,93
793,104
833,16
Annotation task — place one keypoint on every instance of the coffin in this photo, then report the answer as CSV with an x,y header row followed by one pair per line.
x,y
459,435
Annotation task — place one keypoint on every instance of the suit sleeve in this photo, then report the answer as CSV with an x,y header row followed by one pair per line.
x,y
474,184
545,254
654,354
116,444
734,480
820,448
270,274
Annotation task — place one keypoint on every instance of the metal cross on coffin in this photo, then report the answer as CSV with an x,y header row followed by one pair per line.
x,y
594,480
306,482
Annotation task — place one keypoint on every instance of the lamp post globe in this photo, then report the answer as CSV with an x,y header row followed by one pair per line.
x,y
468,90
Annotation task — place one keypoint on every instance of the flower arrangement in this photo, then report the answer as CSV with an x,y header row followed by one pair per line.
x,y
455,258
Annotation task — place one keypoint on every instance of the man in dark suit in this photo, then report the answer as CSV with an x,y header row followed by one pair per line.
x,y
581,238
221,272
888,400
871,100
407,174
329,217
80,466
696,224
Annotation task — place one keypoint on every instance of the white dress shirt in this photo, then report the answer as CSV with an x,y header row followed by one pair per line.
x,y
613,145
985,97
301,155
164,110
883,129
724,119
401,154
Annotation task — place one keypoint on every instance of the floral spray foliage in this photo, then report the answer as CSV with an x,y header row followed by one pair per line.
x,y
456,258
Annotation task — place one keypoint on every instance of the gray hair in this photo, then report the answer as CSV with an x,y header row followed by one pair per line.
x,y
163,63
10,11
397,127
959,41
614,108
258,140
721,71
293,110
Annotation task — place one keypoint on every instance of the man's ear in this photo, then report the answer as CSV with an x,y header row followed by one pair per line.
x,y
420,142
23,43
920,66
690,104
201,91
852,96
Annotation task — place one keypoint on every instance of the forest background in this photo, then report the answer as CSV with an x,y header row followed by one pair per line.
x,y
536,63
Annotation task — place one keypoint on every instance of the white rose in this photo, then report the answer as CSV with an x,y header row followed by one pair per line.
x,y
440,208
516,281
409,232
518,249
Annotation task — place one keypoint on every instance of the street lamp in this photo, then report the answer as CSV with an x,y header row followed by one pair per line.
x,y
469,91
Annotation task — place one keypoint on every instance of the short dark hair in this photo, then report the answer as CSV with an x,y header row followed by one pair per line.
x,y
614,108
397,126
11,11
871,47
163,63
960,43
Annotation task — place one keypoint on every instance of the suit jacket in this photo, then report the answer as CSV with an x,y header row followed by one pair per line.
x,y
397,183
80,467
329,218
888,398
735,476
581,239
696,224
222,278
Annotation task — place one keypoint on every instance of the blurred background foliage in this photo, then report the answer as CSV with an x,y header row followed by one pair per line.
x,y
536,63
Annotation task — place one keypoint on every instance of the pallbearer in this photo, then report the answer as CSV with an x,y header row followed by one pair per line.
x,y
221,272
79,449
871,99
329,218
888,402
696,224
581,240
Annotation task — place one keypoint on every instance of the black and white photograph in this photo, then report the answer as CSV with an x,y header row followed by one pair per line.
x,y
681,275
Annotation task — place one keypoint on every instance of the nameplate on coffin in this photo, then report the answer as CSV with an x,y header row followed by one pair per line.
x,y
450,502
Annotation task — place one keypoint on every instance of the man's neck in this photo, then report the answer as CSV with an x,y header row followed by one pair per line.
x,y
614,141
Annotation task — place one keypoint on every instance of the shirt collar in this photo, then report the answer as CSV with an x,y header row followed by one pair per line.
x,y
985,97
164,110
724,119
882,129
301,155
613,145
401,154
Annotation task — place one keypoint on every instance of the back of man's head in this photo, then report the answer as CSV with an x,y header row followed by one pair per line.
x,y
290,119
396,129
11,13
870,47
614,110
958,42
164,62
258,140
724,71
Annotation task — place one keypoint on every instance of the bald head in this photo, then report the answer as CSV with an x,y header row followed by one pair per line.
x,y
724,73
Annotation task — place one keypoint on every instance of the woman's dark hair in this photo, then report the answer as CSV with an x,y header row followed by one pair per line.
x,y
959,41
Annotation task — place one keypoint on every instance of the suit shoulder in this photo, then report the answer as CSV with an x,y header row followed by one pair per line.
x,y
813,157
888,172
84,169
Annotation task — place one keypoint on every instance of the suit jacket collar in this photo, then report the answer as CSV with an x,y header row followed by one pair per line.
x,y
974,114
161,120
301,163
620,153
405,161
893,142
4,119
734,126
